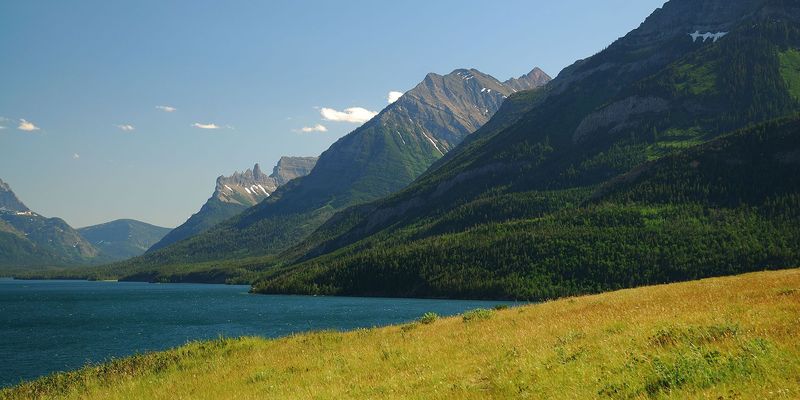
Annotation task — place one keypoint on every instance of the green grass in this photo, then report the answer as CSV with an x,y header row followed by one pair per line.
x,y
790,70
695,79
674,140
721,338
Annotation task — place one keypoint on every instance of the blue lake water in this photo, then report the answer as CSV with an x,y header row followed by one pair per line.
x,y
48,326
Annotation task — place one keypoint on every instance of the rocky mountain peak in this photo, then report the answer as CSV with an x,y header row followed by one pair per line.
x,y
534,79
248,188
9,200
257,174
454,105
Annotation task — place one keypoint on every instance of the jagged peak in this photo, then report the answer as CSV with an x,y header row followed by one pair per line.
x,y
9,200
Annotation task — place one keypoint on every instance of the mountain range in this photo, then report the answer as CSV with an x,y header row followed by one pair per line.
x,y
380,157
672,154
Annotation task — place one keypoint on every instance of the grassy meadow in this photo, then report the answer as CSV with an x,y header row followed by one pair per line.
x,y
722,338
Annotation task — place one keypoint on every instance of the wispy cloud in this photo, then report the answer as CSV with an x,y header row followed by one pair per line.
x,y
126,127
27,126
393,96
315,128
76,156
356,115
168,109
205,126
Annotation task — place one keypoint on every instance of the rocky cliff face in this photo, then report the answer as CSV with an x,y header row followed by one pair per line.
x,y
289,168
248,188
447,108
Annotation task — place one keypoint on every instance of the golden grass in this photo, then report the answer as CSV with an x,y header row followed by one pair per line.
x,y
723,338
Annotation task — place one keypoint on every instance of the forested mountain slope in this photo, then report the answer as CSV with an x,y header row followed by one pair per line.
x,y
510,213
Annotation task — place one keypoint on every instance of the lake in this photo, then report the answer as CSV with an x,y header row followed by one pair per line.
x,y
48,326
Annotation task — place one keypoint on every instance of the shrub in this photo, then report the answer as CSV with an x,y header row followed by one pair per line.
x,y
477,314
429,318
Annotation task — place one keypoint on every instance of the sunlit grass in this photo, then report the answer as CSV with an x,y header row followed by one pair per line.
x,y
724,338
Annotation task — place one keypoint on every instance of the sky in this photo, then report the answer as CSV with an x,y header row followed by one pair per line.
x,y
131,109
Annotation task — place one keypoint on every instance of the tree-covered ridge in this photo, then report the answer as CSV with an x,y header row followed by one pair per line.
x,y
728,206
605,116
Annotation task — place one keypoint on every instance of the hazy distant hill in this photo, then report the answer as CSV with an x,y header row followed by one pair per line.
x,y
123,239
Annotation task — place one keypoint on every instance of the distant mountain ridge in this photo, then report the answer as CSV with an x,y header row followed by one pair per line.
x,y
533,79
235,193
30,240
123,238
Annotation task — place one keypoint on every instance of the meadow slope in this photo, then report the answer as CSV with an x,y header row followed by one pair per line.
x,y
721,338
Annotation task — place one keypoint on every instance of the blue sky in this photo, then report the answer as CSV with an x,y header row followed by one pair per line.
x,y
81,81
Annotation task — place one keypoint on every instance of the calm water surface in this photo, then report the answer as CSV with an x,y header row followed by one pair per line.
x,y
48,326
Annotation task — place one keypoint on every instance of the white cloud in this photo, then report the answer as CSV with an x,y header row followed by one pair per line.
x,y
168,109
27,126
393,96
126,127
76,156
205,126
315,128
2,127
356,115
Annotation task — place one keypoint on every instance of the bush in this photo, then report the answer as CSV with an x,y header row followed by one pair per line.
x,y
478,314
429,318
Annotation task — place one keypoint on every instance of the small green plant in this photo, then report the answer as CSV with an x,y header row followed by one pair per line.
x,y
429,318
409,327
501,307
477,314
694,335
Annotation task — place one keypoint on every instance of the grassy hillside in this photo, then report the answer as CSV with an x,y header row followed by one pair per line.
x,y
723,338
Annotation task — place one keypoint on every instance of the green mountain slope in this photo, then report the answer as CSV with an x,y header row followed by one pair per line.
x,y
28,239
41,241
236,193
516,197
380,157
728,206
122,239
